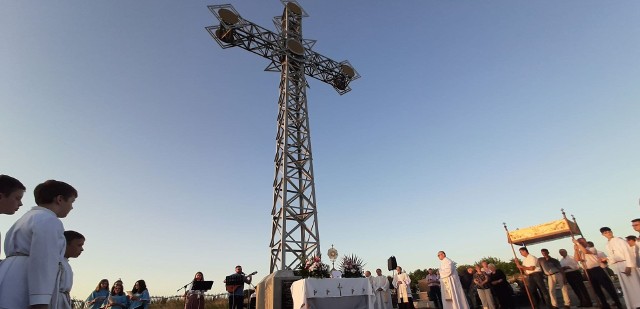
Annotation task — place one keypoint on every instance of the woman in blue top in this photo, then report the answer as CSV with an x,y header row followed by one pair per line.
x,y
97,297
139,298
117,298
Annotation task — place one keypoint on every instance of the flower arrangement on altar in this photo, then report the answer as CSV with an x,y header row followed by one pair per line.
x,y
352,267
313,268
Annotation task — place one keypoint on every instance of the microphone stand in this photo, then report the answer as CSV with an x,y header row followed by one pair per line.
x,y
185,286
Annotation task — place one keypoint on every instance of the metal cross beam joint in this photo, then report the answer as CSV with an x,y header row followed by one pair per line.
x,y
235,31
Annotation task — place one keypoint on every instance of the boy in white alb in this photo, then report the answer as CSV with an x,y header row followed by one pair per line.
x,y
35,247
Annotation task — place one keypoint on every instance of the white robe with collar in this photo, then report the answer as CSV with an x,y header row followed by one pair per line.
x,y
382,298
619,258
453,296
34,247
402,283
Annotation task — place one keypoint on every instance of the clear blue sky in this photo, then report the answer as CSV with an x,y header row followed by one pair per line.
x,y
468,114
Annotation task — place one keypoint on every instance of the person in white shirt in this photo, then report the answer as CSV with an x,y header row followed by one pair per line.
x,y
535,277
624,265
574,278
597,275
635,252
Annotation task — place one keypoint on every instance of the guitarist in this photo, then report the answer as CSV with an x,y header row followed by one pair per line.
x,y
235,287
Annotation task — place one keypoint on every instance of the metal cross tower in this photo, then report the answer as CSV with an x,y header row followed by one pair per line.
x,y
294,233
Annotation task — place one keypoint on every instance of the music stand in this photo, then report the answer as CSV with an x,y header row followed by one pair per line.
x,y
202,285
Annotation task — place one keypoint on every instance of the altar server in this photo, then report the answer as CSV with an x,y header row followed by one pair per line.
x,y
381,291
11,192
402,283
453,296
623,264
75,243
35,248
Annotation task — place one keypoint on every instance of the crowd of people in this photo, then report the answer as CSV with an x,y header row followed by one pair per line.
x,y
487,287
36,272
542,276
116,298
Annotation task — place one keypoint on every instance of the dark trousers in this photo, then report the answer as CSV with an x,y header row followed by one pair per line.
x,y
535,282
236,301
471,293
435,295
575,281
600,280
406,304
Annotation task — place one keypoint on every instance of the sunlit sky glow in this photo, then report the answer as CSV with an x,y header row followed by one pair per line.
x,y
468,114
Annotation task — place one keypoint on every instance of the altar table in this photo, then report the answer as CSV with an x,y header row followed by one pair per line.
x,y
334,293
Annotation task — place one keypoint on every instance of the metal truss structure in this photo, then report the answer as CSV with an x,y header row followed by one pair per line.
x,y
294,233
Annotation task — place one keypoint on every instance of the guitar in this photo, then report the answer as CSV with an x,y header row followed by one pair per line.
x,y
232,286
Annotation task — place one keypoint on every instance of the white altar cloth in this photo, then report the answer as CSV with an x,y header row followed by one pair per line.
x,y
333,293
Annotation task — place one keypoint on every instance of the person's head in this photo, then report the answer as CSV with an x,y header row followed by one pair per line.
x,y
198,276
430,271
399,269
367,274
470,270
11,193
75,243
102,285
606,232
582,241
545,253
491,267
139,286
524,251
590,244
631,240
56,195
238,269
478,268
484,264
635,224
378,272
441,255
117,288
563,252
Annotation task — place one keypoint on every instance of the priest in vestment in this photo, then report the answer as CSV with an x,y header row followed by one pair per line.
x,y
453,296
402,283
623,264
381,291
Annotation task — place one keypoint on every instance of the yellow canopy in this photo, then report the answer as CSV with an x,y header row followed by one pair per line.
x,y
543,232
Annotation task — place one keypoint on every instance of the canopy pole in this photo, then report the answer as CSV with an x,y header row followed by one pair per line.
x,y
582,261
515,260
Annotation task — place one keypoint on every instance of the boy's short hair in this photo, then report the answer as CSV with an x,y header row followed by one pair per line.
x,y
9,184
72,235
47,191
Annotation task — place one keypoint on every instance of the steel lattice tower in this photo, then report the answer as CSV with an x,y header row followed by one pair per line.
x,y
294,233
